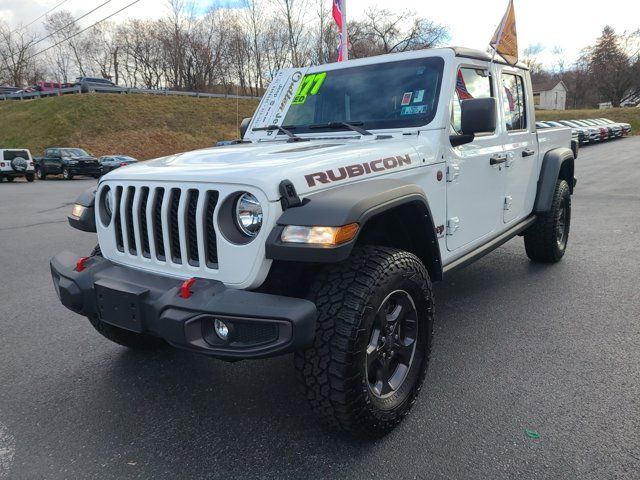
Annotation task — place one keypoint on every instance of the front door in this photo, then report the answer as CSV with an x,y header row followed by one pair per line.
x,y
475,171
520,145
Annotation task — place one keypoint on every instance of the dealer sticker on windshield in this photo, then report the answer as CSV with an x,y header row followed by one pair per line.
x,y
414,110
310,85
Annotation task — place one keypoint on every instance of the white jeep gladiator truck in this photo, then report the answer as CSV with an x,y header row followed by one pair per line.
x,y
354,186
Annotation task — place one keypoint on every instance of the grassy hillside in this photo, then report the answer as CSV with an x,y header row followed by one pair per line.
x,y
143,126
628,115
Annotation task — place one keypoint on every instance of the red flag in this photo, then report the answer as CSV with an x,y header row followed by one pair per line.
x,y
337,13
461,87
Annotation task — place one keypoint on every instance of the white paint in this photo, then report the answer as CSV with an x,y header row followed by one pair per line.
x,y
7,451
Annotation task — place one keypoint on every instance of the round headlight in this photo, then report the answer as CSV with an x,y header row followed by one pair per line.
x,y
248,214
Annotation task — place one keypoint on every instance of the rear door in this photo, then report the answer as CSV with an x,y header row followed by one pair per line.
x,y
520,145
475,182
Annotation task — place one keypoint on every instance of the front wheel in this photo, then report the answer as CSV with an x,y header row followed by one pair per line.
x,y
546,240
66,174
373,340
41,174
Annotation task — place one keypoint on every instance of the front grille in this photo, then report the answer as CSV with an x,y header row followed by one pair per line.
x,y
152,222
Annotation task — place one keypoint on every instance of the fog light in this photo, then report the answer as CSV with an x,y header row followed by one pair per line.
x,y
221,329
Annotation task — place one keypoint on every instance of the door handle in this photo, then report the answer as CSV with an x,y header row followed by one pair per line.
x,y
497,159
527,152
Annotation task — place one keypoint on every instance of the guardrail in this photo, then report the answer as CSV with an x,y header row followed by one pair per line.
x,y
121,90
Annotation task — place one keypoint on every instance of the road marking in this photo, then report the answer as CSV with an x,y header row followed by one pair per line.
x,y
7,451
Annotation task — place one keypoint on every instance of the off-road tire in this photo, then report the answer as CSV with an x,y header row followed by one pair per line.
x,y
126,338
30,177
66,174
542,240
10,179
333,371
40,173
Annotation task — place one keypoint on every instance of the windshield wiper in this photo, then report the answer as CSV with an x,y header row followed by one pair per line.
x,y
286,131
355,126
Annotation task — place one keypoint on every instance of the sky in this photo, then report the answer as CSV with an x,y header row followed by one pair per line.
x,y
568,24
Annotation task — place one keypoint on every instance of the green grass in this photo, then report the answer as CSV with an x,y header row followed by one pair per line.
x,y
144,126
627,115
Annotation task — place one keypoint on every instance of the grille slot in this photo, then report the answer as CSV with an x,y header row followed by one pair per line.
x,y
128,215
117,222
174,229
191,230
157,224
209,232
142,221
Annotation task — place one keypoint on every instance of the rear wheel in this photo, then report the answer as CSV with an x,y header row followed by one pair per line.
x,y
546,240
30,177
373,339
10,179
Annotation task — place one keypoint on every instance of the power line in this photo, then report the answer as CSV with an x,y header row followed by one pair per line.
x,y
43,15
83,30
72,22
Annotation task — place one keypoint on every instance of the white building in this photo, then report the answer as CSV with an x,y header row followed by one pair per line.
x,y
550,95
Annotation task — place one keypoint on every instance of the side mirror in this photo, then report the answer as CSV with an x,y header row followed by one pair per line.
x,y
244,126
477,115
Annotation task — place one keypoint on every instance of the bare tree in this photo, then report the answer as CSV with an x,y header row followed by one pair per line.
x,y
16,50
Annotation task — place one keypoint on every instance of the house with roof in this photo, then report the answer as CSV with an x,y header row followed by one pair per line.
x,y
550,94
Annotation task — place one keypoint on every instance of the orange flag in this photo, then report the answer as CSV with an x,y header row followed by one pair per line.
x,y
505,39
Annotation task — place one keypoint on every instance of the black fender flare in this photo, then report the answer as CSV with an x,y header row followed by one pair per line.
x,y
87,221
554,162
354,203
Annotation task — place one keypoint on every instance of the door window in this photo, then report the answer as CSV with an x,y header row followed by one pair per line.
x,y
470,83
513,105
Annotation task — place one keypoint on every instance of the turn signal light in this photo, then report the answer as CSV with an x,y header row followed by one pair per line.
x,y
329,236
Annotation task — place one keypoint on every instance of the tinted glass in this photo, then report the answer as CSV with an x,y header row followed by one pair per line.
x,y
74,152
513,102
390,95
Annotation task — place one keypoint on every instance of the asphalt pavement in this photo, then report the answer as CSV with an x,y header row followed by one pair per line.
x,y
553,350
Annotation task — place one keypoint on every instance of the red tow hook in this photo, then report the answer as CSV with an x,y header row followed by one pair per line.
x,y
81,264
185,291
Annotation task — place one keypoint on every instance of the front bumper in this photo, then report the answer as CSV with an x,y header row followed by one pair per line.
x,y
261,325
80,169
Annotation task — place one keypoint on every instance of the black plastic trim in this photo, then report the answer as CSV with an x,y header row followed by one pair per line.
x,y
160,311
87,222
354,203
489,246
549,174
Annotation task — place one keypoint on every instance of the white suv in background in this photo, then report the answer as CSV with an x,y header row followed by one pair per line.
x,y
16,162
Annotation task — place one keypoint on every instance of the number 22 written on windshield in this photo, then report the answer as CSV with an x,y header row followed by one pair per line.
x,y
310,85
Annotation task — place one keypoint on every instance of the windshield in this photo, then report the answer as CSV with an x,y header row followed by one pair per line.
x,y
73,152
386,95
125,159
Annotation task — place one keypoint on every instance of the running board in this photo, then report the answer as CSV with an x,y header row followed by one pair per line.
x,y
490,246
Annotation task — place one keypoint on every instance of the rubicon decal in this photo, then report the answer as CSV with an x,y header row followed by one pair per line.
x,y
356,170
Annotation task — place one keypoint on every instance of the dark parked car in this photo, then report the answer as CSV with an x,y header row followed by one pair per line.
x,y
68,162
111,162
89,84
584,134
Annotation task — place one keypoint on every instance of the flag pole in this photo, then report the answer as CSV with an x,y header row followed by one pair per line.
x,y
495,47
343,33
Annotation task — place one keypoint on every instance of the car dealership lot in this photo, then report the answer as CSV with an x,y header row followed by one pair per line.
x,y
518,346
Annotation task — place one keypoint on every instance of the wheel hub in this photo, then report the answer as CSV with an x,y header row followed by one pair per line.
x,y
392,344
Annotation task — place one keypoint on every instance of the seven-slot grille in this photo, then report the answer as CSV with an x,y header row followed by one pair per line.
x,y
169,224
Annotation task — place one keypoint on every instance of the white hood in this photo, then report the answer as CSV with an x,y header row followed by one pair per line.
x,y
265,164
